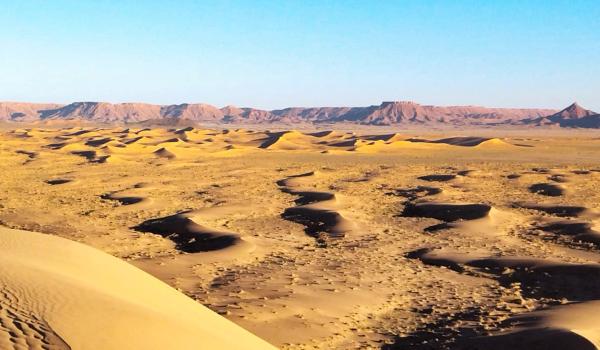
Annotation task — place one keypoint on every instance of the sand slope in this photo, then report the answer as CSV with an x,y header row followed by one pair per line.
x,y
60,294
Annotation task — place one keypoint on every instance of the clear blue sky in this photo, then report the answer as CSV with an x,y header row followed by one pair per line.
x,y
272,54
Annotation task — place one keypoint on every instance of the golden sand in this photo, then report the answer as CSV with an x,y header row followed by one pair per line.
x,y
331,240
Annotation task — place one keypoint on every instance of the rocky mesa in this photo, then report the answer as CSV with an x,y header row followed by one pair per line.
x,y
387,113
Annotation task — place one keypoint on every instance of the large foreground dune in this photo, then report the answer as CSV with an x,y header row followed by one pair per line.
x,y
59,294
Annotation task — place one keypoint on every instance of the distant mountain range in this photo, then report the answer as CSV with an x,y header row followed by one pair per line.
x,y
387,113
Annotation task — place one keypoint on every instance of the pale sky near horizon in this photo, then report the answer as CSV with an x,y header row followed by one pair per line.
x,y
273,54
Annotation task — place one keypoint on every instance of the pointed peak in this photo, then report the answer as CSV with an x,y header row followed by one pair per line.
x,y
231,110
573,107
573,111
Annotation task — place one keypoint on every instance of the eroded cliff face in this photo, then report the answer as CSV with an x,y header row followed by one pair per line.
x,y
387,113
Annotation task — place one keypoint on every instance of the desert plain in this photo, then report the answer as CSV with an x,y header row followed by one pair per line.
x,y
306,239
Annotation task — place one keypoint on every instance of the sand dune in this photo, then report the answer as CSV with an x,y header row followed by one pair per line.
x,y
129,199
576,230
317,210
188,142
60,294
558,209
560,178
58,181
416,192
288,140
547,189
571,327
447,211
163,152
465,141
437,177
189,236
